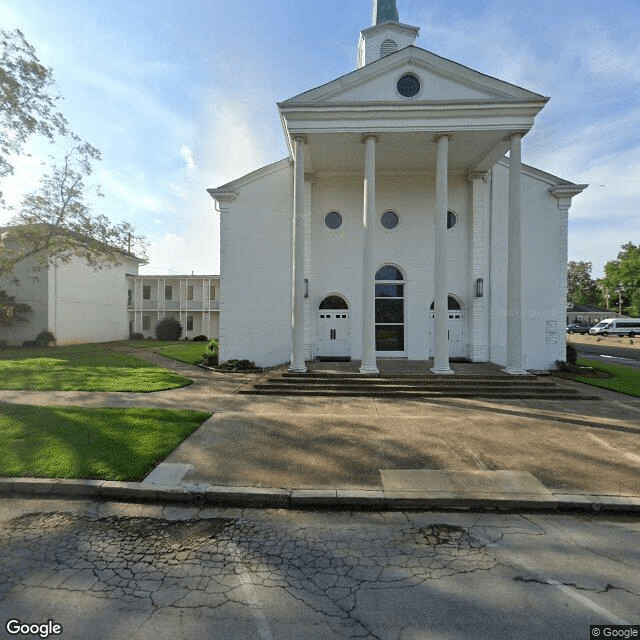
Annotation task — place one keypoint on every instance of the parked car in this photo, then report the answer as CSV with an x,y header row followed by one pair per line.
x,y
578,328
617,327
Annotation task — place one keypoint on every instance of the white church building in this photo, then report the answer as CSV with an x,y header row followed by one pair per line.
x,y
397,227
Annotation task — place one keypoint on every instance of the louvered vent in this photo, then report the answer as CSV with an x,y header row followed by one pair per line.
x,y
387,47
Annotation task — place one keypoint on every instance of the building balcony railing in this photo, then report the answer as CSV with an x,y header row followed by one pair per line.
x,y
173,305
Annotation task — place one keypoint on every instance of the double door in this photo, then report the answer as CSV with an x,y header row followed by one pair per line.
x,y
333,335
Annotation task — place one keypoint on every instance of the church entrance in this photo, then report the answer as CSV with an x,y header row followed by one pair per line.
x,y
457,345
389,307
333,329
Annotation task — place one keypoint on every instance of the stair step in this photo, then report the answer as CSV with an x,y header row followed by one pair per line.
x,y
557,395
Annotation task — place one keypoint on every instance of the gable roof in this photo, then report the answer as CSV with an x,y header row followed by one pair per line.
x,y
443,81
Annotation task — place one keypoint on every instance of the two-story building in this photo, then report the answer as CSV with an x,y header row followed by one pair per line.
x,y
192,300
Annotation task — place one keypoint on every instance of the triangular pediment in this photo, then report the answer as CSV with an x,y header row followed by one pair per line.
x,y
441,80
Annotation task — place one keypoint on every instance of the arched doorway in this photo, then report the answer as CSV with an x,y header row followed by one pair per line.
x,y
333,329
389,319
457,343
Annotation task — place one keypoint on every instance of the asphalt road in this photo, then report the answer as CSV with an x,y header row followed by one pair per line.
x,y
614,354
121,571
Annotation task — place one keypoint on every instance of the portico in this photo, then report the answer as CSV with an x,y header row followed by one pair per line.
x,y
425,139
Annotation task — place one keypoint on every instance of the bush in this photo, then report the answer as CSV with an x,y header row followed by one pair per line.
x,y
237,365
200,338
44,339
572,355
211,354
137,336
168,329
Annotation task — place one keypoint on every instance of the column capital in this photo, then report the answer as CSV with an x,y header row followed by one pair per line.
x,y
477,175
444,134
368,136
299,138
515,134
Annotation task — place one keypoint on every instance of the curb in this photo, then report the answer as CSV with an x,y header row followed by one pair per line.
x,y
364,499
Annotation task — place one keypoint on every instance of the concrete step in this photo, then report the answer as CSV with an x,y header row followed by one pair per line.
x,y
424,381
348,384
342,393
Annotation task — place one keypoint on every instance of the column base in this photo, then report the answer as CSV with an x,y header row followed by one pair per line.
x,y
370,370
442,371
515,372
296,369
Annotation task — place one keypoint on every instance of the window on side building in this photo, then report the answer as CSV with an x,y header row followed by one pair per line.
x,y
168,292
146,292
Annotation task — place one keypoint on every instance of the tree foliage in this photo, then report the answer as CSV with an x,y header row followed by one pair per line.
x,y
56,221
622,277
581,288
28,97
11,311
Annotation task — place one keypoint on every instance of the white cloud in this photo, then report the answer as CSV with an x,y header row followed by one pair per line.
x,y
189,160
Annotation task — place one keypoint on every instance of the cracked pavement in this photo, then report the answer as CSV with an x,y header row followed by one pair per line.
x,y
118,570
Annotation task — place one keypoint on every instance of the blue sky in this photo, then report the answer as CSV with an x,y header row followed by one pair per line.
x,y
180,96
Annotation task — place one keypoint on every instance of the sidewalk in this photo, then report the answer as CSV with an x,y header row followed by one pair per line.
x,y
375,453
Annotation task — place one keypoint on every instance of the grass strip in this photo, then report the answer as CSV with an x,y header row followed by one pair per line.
x,y
190,352
68,370
92,443
623,379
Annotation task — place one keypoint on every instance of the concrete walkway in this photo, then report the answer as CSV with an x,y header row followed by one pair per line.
x,y
377,453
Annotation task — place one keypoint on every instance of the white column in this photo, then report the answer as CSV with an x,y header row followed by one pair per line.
x,y
368,259
515,363
480,267
297,270
441,310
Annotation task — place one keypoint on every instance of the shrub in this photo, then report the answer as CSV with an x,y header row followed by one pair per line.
x,y
211,354
137,336
168,329
200,338
237,365
44,339
572,355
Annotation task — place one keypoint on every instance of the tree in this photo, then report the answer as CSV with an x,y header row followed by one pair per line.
x,y
55,222
28,96
581,288
622,278
11,311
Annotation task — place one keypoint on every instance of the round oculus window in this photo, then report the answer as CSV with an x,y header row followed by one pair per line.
x,y
452,219
389,220
408,85
333,220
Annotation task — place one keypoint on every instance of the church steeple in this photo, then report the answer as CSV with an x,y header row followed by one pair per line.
x,y
384,11
386,35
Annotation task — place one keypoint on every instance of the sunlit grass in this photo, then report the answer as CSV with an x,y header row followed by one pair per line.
x,y
72,442
623,379
190,352
82,369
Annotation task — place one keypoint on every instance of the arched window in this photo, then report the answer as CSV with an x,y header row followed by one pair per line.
x,y
389,307
452,304
334,302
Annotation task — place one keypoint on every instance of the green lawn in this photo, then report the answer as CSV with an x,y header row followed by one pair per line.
x,y
72,442
82,368
190,352
623,379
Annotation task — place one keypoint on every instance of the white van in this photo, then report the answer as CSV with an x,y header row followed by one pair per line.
x,y
617,327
